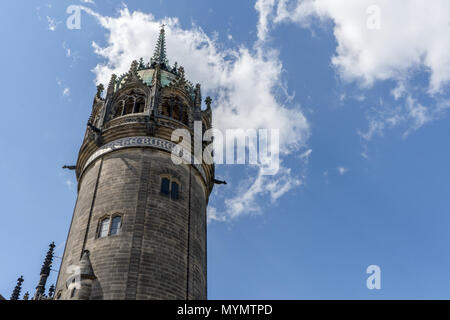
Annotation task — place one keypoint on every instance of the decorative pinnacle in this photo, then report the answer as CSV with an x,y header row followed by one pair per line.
x,y
112,84
134,66
141,63
16,293
208,102
48,260
100,89
26,296
160,57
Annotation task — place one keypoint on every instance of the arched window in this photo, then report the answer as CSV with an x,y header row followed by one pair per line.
x,y
175,192
174,108
177,112
139,106
104,228
131,102
165,186
184,116
119,110
116,223
170,187
129,106
109,226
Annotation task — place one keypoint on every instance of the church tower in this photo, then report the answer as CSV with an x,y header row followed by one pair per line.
x,y
138,230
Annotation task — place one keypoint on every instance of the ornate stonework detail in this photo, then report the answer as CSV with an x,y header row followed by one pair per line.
x,y
100,89
132,76
144,142
111,86
126,120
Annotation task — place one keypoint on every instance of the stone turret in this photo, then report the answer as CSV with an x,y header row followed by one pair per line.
x,y
139,225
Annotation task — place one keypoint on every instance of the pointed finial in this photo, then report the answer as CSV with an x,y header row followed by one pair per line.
x,y
45,270
111,85
134,66
100,89
181,73
159,56
26,296
16,293
141,63
208,102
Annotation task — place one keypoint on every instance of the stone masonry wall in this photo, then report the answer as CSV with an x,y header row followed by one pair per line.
x,y
149,258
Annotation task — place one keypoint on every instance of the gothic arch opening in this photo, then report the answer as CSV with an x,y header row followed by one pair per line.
x,y
174,108
129,103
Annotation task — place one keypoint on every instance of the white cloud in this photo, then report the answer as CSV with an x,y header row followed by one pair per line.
x,y
412,36
214,216
69,184
246,83
306,154
65,89
246,200
264,8
408,39
411,114
399,91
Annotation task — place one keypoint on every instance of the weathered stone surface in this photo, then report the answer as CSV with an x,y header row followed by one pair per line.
x,y
149,258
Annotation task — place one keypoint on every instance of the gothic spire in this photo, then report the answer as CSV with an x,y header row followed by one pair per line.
x,y
45,272
16,293
160,57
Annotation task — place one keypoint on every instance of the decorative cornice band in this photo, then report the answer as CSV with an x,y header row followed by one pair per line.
x,y
143,142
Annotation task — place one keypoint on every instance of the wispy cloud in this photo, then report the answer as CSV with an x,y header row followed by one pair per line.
x,y
342,170
52,23
395,51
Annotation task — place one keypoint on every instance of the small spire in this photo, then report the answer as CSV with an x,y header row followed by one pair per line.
x,y
111,85
175,67
160,57
141,63
26,296
134,66
208,102
16,293
100,89
45,272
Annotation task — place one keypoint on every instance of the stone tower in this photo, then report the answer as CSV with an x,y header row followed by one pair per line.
x,y
138,230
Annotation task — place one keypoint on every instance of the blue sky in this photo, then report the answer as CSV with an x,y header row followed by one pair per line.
x,y
362,112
